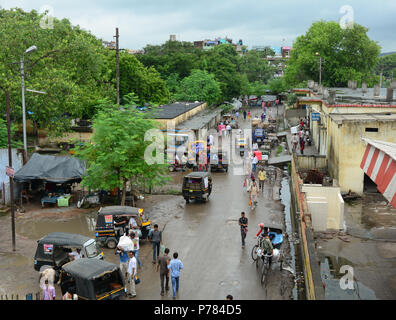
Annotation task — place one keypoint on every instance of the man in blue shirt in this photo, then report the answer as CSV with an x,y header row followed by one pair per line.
x,y
124,261
175,265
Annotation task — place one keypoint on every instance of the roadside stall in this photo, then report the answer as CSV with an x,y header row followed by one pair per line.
x,y
50,178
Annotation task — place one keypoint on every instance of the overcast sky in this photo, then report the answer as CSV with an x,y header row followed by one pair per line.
x,y
256,22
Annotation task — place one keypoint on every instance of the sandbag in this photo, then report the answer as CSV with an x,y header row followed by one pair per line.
x,y
276,255
125,243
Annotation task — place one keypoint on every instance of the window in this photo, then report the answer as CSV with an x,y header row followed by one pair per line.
x,y
371,129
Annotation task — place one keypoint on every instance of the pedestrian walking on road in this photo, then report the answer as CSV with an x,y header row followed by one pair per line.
x,y
249,115
253,193
262,117
254,163
132,271
294,142
302,146
162,266
244,114
135,240
237,115
243,222
156,239
48,291
175,265
262,177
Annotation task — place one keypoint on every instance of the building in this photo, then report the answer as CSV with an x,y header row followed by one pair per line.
x,y
171,115
339,119
109,44
210,44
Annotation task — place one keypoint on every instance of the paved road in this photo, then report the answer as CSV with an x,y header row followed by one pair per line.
x,y
207,238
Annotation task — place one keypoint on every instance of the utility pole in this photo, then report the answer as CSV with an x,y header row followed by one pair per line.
x,y
10,166
118,65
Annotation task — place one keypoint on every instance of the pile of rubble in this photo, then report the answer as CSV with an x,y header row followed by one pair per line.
x,y
331,234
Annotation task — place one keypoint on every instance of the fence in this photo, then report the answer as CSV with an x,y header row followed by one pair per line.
x,y
29,296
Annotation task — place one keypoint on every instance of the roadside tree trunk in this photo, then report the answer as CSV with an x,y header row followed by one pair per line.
x,y
124,192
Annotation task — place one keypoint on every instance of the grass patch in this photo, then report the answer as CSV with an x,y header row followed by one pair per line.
x,y
279,151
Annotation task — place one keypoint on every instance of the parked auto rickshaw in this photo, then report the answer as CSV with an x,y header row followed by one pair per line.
x,y
219,161
92,280
53,249
198,186
105,231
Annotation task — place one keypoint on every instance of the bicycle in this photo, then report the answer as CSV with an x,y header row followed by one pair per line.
x,y
255,249
266,268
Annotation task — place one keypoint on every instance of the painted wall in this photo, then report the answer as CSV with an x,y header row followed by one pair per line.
x,y
17,163
352,148
325,204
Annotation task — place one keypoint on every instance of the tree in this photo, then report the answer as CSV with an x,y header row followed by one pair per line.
x,y
199,86
4,135
146,83
116,153
68,65
387,64
276,86
256,67
346,53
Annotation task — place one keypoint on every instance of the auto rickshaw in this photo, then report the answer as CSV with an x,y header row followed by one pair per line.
x,y
241,144
198,155
105,231
53,249
198,186
92,280
219,161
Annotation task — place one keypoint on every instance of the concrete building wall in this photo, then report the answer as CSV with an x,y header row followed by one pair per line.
x,y
352,148
325,203
309,162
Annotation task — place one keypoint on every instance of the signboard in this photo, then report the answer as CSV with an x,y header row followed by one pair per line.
x,y
108,219
10,172
48,248
316,116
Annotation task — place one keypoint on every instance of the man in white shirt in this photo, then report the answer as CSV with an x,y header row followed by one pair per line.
x,y
131,275
135,240
254,163
211,140
75,255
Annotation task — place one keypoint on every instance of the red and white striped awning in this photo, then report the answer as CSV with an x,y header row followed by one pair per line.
x,y
379,163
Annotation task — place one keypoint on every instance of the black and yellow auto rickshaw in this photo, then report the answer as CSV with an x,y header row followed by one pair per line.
x,y
53,249
231,120
105,231
241,145
198,186
219,161
92,280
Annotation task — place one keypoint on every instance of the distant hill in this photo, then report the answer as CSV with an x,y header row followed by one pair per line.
x,y
387,53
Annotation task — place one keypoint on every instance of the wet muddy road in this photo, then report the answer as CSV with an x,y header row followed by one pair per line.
x,y
206,236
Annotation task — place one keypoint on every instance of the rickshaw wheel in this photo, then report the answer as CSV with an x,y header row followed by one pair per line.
x,y
111,243
171,169
254,252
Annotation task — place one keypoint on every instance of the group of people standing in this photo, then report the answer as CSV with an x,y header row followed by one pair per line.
x,y
129,263
302,137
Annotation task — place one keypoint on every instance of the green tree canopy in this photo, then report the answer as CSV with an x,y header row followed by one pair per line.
x,y
387,64
256,67
199,86
68,66
116,152
346,53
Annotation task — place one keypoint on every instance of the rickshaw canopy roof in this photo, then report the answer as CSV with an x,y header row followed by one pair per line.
x,y
120,210
89,269
199,174
64,239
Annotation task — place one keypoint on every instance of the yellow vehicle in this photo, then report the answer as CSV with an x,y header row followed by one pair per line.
x,y
105,224
232,120
241,144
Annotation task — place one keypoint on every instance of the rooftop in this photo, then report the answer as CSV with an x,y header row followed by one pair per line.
x,y
174,110
200,120
350,97
362,117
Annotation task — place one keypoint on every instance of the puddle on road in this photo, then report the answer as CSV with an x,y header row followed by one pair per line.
x,y
83,224
330,269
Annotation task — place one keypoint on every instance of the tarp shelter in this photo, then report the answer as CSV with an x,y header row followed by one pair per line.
x,y
379,163
53,169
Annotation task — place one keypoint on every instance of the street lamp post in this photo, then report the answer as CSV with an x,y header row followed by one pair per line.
x,y
32,48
